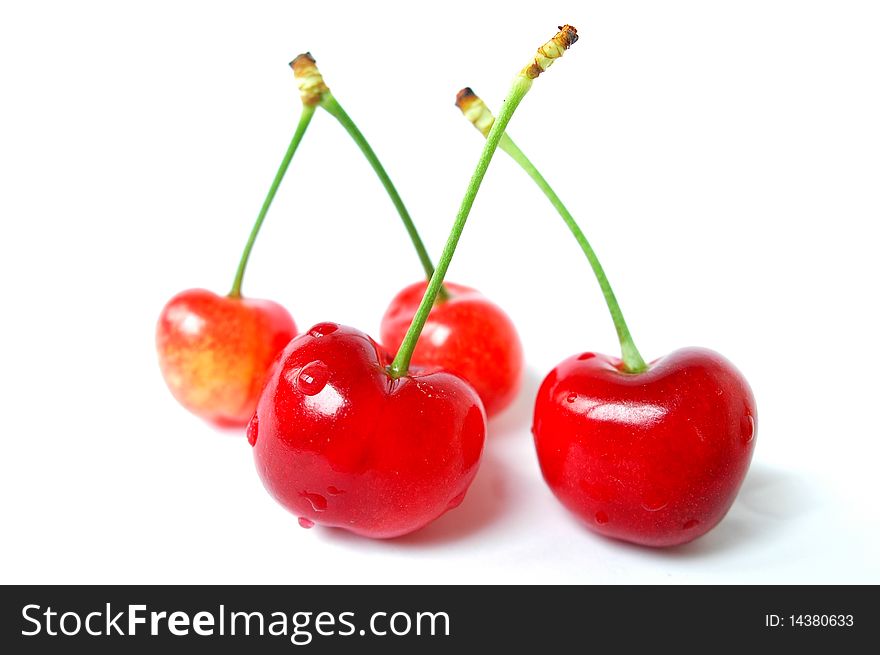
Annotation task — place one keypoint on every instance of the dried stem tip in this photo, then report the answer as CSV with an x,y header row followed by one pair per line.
x,y
475,110
550,51
308,79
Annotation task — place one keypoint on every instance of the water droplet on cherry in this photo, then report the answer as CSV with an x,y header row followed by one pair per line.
x,y
306,523
690,525
317,501
585,356
252,429
455,502
323,329
747,428
333,491
601,518
570,398
654,503
313,377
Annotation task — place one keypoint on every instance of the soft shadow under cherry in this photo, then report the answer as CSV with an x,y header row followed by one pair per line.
x,y
770,499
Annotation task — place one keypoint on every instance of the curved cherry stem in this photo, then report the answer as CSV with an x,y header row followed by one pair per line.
x,y
305,118
481,116
632,359
332,106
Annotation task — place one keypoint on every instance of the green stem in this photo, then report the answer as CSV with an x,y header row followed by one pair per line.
x,y
333,107
520,88
632,359
305,118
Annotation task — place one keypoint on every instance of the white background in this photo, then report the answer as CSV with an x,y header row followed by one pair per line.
x,y
722,156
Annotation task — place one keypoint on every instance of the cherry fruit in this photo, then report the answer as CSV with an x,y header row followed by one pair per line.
x,y
341,443
655,458
465,334
216,351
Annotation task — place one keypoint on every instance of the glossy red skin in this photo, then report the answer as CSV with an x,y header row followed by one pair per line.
x,y
654,458
338,442
466,335
215,352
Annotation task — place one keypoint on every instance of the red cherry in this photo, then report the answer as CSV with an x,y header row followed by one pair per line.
x,y
466,335
338,442
216,351
655,458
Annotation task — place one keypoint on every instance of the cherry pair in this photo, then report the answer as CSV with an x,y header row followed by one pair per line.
x,y
216,351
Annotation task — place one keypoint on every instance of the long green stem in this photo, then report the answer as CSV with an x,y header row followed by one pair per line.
x,y
400,366
632,359
476,111
305,118
333,107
